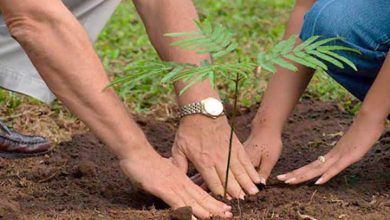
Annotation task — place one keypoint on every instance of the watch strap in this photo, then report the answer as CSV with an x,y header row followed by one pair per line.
x,y
190,109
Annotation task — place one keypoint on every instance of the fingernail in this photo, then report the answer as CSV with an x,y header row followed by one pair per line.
x,y
263,181
258,179
229,197
318,182
227,207
242,196
290,180
228,214
253,191
281,177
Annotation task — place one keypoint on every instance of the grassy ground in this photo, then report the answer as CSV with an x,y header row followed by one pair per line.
x,y
258,24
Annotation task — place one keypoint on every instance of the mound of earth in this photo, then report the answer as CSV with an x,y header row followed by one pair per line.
x,y
81,178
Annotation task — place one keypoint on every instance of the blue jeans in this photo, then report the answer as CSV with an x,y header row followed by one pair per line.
x,y
365,25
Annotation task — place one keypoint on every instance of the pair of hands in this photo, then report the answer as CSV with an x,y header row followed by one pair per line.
x,y
204,141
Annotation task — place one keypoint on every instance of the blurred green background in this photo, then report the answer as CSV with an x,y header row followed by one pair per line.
x,y
258,24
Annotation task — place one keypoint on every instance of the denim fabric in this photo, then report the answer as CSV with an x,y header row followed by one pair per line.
x,y
365,26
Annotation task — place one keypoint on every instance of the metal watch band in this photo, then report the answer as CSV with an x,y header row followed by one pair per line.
x,y
190,109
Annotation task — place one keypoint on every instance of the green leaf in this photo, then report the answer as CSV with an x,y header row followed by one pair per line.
x,y
289,44
190,84
343,59
181,34
306,43
300,61
283,63
172,74
343,48
327,58
315,61
269,67
321,42
261,58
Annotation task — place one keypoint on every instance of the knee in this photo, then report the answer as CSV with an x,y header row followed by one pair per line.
x,y
27,19
327,20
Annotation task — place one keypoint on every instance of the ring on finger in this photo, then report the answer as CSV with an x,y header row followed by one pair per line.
x,y
321,159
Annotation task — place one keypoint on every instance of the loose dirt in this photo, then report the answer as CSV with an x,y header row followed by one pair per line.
x,y
80,179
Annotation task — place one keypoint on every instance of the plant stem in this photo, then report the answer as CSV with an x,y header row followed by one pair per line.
x,y
232,127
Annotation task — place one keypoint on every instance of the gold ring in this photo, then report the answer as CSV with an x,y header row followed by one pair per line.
x,y
321,159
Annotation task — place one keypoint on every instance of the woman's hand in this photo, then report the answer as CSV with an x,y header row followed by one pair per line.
x,y
263,150
358,140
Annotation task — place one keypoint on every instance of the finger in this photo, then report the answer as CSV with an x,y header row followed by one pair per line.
x,y
266,166
233,187
215,207
189,200
212,180
310,171
179,159
292,176
333,171
169,197
243,179
248,166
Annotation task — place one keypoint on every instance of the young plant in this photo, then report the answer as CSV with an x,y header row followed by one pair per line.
x,y
219,42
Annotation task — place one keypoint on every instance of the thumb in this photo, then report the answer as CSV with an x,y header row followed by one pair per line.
x,y
179,159
266,166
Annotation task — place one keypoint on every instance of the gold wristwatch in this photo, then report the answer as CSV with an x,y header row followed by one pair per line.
x,y
210,107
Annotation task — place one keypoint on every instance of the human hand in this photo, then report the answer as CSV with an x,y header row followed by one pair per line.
x,y
358,140
158,176
264,150
205,142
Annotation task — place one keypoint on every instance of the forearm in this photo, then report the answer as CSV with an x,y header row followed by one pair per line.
x,y
376,106
285,87
166,16
62,53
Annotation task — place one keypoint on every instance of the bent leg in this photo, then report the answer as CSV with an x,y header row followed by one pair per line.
x,y
17,73
59,48
364,25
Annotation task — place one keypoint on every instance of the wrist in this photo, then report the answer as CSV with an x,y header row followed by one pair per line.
x,y
133,144
265,132
370,119
262,126
196,93
202,119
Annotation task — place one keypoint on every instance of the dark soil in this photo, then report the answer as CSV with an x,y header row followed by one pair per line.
x,y
81,179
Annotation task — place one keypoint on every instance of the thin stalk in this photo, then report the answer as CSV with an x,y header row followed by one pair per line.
x,y
232,127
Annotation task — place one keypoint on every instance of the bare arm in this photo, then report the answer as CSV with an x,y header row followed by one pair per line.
x,y
168,13
60,49
200,139
283,92
61,52
358,140
286,87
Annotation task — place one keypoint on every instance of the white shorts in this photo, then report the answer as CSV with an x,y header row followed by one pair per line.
x,y
16,70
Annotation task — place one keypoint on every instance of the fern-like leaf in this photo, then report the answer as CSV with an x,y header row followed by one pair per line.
x,y
311,53
213,39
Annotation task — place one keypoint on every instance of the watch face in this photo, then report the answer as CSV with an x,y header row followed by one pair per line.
x,y
212,106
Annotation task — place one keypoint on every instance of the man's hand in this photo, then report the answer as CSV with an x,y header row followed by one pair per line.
x,y
160,177
205,142
352,147
264,150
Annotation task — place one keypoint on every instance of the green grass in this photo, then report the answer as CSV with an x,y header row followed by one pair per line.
x,y
258,24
